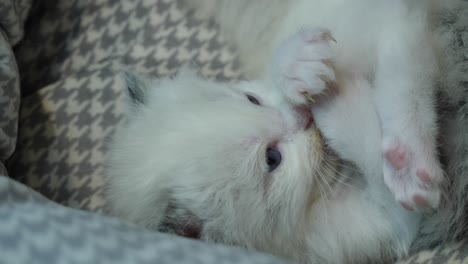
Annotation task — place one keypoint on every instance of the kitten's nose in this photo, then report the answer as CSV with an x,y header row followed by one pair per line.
x,y
304,117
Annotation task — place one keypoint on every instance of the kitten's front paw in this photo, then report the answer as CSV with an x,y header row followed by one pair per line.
x,y
302,65
412,172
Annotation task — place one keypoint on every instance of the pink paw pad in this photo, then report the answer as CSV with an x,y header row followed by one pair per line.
x,y
413,173
420,201
397,157
424,176
407,206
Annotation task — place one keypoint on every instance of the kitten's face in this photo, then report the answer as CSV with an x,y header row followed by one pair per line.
x,y
237,162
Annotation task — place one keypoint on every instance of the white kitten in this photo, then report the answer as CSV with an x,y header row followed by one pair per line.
x,y
201,159
236,163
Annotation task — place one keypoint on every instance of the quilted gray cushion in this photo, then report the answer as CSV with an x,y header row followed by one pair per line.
x,y
35,230
9,101
12,17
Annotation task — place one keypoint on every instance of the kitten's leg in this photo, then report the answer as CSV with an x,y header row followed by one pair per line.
x,y
350,123
302,64
405,90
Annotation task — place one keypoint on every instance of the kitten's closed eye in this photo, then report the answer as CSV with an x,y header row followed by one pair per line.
x,y
253,99
273,158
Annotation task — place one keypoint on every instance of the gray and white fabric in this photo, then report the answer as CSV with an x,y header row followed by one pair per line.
x,y
12,17
35,230
9,101
72,100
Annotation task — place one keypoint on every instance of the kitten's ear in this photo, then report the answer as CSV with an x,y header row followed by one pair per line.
x,y
136,87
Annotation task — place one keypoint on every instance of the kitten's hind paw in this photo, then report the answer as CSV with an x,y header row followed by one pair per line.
x,y
413,174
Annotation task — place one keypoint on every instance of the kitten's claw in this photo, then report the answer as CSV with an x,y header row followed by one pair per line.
x,y
310,99
328,36
413,174
303,65
316,35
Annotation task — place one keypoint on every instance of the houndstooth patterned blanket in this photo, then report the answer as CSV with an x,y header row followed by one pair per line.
x,y
35,230
72,101
74,104
12,14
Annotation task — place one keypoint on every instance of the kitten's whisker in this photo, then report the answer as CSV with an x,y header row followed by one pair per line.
x,y
337,175
342,180
324,197
337,162
323,178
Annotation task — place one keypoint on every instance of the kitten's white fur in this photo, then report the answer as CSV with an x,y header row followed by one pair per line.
x,y
199,146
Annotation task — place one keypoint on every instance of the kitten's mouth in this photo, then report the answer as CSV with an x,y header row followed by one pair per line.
x,y
188,230
181,222
305,117
309,122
